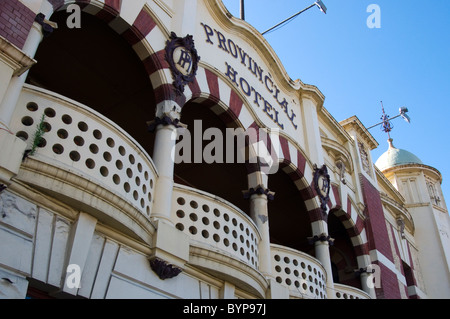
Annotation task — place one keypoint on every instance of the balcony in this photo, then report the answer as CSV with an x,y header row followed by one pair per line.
x,y
304,275
210,220
348,292
86,160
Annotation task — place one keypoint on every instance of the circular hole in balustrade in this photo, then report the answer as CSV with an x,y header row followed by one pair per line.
x,y
27,121
205,208
142,203
131,159
235,247
180,213
216,238
146,175
116,179
286,260
144,188
151,183
205,221
150,197
126,187
193,204
193,230
205,233
135,195
216,212
90,163
139,166
297,284
234,233
82,126
46,127
279,280
122,150
119,164
287,270
93,148
309,268
104,171
226,229
110,142
129,173
241,226
62,134
234,221
75,156
78,140
288,281
216,225
32,107
226,217
296,273
58,149
305,286
277,257
242,251
42,142
295,262
181,201
49,112
226,242
67,119
22,135
97,134
179,226
137,181
107,156
303,275
193,217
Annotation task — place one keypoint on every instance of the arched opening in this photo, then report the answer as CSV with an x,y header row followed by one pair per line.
x,y
226,179
95,66
289,223
342,253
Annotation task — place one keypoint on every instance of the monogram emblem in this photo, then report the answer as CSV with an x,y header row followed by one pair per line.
x,y
183,60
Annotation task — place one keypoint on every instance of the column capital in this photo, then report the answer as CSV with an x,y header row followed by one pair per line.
x,y
259,190
165,120
322,238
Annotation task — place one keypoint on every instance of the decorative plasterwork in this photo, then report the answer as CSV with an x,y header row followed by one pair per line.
x,y
338,153
163,269
322,186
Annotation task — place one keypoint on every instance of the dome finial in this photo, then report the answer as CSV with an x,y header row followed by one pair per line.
x,y
390,141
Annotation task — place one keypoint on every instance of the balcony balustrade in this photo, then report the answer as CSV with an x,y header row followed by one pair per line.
x,y
301,273
80,142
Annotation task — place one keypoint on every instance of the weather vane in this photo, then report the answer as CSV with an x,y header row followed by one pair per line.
x,y
386,125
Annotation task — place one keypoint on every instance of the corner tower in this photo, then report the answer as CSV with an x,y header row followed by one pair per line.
x,y
420,185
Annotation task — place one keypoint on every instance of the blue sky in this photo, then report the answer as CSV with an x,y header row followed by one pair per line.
x,y
406,62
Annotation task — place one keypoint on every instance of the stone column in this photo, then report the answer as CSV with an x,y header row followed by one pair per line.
x,y
165,128
40,29
259,213
321,244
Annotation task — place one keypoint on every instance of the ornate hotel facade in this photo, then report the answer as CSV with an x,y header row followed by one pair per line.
x,y
95,204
